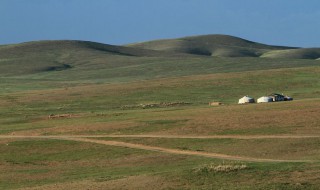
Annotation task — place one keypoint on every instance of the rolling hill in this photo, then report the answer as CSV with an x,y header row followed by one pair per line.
x,y
183,56
227,46
34,57
302,53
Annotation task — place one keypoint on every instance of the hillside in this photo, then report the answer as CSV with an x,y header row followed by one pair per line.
x,y
28,48
35,57
226,46
155,59
302,53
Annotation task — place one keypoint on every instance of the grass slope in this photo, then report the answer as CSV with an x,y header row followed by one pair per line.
x,y
304,53
41,56
227,46
211,45
88,61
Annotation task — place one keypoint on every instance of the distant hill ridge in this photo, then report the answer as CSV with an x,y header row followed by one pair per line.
x,y
56,45
205,45
227,46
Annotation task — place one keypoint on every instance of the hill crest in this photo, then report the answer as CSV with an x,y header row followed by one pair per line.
x,y
216,45
220,45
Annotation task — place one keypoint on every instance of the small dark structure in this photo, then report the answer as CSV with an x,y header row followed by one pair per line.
x,y
288,98
280,97
277,97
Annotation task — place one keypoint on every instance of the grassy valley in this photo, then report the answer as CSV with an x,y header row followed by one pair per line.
x,y
77,114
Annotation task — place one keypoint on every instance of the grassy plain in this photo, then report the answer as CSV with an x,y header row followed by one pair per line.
x,y
104,90
53,164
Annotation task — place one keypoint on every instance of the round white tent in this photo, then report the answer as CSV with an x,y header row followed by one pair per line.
x,y
245,100
264,99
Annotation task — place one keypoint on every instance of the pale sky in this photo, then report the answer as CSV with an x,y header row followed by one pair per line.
x,y
274,22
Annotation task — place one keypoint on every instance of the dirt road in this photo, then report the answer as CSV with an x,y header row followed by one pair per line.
x,y
86,138
181,152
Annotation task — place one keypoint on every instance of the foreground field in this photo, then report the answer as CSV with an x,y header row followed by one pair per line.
x,y
81,115
79,163
80,155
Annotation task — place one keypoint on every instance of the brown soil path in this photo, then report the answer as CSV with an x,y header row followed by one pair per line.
x,y
85,138
181,152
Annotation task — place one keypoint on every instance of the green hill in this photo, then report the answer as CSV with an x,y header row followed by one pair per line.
x,y
303,53
62,45
227,46
77,62
211,45
155,59
40,56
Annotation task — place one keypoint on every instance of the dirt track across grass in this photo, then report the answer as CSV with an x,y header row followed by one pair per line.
x,y
181,152
86,138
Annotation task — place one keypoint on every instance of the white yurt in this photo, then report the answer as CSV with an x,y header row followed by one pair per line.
x,y
264,99
245,100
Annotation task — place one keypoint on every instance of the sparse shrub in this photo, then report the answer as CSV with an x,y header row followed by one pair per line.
x,y
221,168
155,105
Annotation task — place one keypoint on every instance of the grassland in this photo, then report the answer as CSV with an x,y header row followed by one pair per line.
x,y
97,89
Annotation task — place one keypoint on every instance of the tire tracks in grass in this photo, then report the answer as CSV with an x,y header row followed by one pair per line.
x,y
87,139
180,152
244,137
